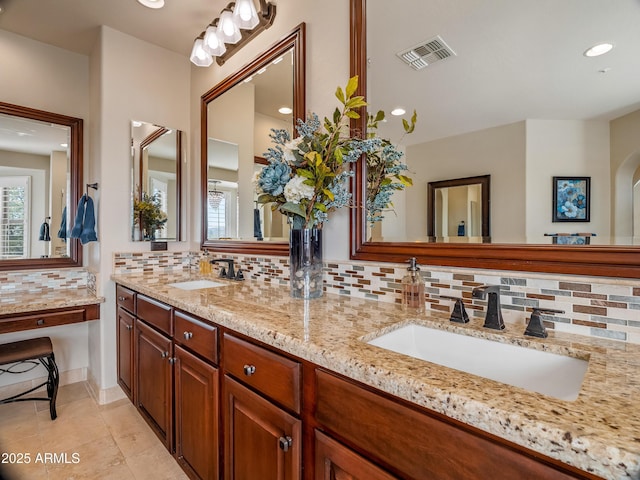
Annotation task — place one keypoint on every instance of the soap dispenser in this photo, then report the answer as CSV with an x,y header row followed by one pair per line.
x,y
413,288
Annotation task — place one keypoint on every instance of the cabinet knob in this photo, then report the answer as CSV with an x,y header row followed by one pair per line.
x,y
172,360
40,321
164,354
188,335
129,327
249,370
285,443
122,299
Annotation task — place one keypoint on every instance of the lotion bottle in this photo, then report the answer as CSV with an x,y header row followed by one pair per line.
x,y
413,289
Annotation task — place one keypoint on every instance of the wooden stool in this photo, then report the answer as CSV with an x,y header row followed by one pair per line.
x,y
30,350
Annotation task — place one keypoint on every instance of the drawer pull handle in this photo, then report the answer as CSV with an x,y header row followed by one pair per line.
x,y
188,335
249,370
285,443
164,354
40,321
129,327
122,299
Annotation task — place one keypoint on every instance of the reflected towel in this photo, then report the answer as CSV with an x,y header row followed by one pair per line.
x,y
257,227
89,223
77,225
44,232
62,233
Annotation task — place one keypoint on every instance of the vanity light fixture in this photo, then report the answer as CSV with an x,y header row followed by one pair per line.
x,y
155,4
237,24
599,49
199,56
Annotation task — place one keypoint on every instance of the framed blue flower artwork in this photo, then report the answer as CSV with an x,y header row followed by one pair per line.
x,y
571,199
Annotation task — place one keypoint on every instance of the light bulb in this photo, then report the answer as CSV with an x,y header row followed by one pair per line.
x,y
245,14
199,56
213,42
228,28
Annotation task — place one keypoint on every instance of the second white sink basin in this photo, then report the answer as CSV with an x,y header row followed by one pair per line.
x,y
196,284
548,373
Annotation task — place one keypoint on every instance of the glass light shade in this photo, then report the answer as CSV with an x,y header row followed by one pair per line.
x,y
213,43
227,26
245,14
199,56
215,198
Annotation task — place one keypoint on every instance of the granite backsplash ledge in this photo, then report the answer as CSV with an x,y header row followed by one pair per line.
x,y
593,306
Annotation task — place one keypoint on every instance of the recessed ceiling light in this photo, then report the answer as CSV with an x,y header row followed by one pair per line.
x,y
64,145
398,111
285,110
599,49
152,3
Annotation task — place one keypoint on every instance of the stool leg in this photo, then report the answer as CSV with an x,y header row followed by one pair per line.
x,y
49,363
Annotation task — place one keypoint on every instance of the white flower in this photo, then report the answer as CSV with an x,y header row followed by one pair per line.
x,y
255,181
570,210
295,190
289,147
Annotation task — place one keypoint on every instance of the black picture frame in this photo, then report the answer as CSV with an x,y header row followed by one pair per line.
x,y
571,199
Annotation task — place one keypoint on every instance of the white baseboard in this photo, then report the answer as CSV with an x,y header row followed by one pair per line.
x,y
103,396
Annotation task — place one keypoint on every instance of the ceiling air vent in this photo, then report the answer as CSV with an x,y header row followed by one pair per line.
x,y
426,53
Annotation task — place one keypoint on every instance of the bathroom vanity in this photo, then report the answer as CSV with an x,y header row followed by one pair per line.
x,y
224,372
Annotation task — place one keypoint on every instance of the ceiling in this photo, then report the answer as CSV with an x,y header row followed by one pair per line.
x,y
515,59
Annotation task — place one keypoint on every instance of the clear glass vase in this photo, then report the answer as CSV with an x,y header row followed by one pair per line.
x,y
305,263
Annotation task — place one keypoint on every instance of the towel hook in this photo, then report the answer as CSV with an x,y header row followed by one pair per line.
x,y
91,185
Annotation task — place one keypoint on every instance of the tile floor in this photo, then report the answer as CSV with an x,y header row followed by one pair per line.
x,y
111,441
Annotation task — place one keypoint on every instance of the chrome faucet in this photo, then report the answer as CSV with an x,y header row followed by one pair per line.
x,y
229,272
494,314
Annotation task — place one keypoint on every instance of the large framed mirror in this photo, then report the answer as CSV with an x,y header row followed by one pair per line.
x,y
579,115
156,154
236,118
40,186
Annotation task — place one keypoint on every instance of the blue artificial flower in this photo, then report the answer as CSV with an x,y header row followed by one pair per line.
x,y
274,177
310,127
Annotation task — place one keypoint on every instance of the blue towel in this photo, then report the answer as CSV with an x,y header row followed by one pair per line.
x,y
89,224
44,232
77,226
62,233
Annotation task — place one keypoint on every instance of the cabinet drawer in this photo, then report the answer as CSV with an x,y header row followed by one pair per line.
x,y
420,444
155,313
126,298
196,335
41,320
274,375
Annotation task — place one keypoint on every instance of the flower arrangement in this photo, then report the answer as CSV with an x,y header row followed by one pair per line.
x,y
306,177
148,214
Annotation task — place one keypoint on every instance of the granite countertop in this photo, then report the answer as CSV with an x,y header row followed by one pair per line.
x,y
13,302
598,432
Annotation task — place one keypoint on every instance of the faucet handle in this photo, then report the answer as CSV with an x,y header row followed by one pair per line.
x,y
535,327
239,275
223,272
458,314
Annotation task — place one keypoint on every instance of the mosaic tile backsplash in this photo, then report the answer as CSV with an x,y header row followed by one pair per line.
x,y
599,307
45,280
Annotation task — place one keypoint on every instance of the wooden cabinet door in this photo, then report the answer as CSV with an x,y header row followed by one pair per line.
x,y
154,380
196,415
334,461
125,352
261,440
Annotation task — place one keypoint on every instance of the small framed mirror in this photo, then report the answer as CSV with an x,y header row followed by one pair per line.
x,y
156,153
458,210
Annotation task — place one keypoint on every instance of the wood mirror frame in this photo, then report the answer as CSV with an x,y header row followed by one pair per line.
x,y
609,261
485,187
296,41
75,186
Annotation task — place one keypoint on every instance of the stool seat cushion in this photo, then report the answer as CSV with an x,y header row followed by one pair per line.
x,y
25,350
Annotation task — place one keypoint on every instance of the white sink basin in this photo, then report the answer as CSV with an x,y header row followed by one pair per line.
x,y
196,284
551,374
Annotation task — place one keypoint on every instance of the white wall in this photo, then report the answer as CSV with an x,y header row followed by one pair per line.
x,y
130,79
567,148
47,78
498,151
